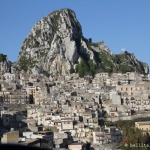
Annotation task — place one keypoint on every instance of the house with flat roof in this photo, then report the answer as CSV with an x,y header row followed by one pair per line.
x,y
144,126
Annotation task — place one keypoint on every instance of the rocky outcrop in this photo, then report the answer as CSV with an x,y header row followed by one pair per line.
x,y
5,64
128,63
56,44
52,45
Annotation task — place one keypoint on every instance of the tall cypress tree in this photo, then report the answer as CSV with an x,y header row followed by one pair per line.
x,y
92,66
81,71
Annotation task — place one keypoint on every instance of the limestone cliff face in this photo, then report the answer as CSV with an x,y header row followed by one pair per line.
x,y
55,44
52,45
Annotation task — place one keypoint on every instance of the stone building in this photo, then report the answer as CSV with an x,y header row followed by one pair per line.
x,y
10,137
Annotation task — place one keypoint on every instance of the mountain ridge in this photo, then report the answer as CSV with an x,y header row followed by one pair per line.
x,y
56,45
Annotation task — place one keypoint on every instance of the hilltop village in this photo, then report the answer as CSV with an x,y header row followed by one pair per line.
x,y
67,111
64,91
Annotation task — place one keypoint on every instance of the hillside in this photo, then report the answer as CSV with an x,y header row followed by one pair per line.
x,y
56,46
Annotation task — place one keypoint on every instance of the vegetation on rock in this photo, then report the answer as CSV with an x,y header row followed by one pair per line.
x,y
26,63
60,31
86,67
3,57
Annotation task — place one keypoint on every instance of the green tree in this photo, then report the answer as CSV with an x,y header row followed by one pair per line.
x,y
23,63
85,65
2,57
83,68
131,135
81,71
92,67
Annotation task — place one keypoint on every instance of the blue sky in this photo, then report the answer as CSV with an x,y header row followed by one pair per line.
x,y
119,23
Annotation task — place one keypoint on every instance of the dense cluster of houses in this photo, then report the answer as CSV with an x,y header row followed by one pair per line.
x,y
66,111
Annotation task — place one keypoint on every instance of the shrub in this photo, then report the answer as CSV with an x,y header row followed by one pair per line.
x,y
2,57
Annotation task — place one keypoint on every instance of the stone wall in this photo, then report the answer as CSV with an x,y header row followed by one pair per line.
x,y
113,119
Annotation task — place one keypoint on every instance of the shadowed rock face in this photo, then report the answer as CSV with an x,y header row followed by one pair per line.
x,y
55,44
